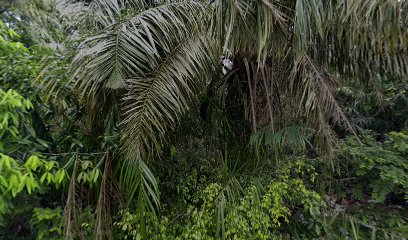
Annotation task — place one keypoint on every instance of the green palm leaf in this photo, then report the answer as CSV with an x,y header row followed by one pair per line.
x,y
132,47
154,103
153,106
159,49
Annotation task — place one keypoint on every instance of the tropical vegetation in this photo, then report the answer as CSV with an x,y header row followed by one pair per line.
x,y
197,119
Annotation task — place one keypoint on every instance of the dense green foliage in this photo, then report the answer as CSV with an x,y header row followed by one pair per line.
x,y
225,119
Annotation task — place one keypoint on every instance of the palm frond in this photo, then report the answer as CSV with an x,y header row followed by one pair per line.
x,y
249,27
52,80
312,86
359,38
103,223
318,90
309,19
103,13
132,47
140,183
228,197
287,138
220,214
70,207
154,104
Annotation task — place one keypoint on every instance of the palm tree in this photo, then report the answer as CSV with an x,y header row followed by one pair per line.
x,y
147,61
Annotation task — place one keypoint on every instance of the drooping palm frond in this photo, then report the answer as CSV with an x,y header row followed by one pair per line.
x,y
308,20
360,38
103,223
128,48
142,185
153,106
155,103
70,207
161,50
113,57
52,80
267,91
103,13
251,28
289,138
334,34
132,47
376,35
312,86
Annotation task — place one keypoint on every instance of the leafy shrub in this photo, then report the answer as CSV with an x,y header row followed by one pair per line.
x,y
377,169
129,227
48,223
